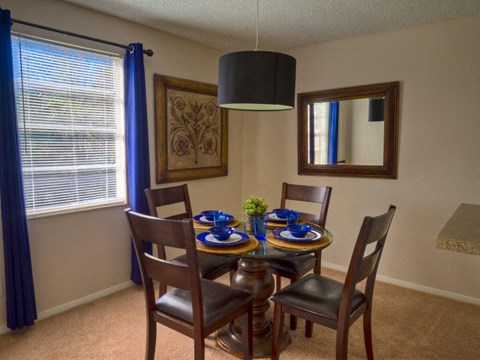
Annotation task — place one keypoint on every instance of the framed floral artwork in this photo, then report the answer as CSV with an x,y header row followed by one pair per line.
x,y
191,132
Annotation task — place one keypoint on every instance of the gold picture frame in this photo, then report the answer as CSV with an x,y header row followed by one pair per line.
x,y
191,131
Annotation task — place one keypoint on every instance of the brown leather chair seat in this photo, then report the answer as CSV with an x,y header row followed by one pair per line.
x,y
317,294
293,265
218,299
210,266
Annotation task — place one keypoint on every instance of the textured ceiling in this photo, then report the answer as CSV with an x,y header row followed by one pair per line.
x,y
230,24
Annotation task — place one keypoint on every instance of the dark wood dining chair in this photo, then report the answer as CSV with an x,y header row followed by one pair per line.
x,y
333,304
193,306
295,267
211,266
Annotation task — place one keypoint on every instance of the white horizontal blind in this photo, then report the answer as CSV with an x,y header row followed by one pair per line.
x,y
320,132
71,126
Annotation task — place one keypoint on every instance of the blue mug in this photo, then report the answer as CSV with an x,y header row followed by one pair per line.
x,y
220,219
209,214
292,217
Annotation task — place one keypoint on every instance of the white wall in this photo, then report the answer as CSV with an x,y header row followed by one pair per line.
x,y
367,139
439,151
76,255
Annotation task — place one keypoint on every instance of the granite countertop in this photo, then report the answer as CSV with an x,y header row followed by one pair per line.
x,y
462,231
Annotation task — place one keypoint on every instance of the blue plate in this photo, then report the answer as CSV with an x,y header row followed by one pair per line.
x,y
202,220
284,234
235,239
273,217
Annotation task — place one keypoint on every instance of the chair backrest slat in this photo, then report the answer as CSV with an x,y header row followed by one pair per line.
x,y
368,265
165,272
312,194
379,228
169,196
156,232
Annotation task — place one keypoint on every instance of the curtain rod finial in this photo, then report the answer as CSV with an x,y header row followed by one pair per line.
x,y
148,52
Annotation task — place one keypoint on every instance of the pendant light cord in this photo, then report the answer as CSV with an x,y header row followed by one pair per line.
x,y
256,28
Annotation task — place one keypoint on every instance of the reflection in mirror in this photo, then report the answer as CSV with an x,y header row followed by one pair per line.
x,y
349,131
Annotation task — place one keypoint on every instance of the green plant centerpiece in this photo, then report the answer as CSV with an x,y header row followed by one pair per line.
x,y
253,206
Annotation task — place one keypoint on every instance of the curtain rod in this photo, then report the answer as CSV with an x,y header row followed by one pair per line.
x,y
147,52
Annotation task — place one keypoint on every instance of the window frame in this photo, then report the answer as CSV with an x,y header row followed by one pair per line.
x,y
121,194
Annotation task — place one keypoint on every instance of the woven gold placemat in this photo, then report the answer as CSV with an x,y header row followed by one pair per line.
x,y
273,224
318,244
198,226
250,245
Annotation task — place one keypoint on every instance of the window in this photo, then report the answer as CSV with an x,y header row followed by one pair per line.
x,y
71,126
318,132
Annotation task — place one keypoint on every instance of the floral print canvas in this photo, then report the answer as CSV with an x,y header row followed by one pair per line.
x,y
193,130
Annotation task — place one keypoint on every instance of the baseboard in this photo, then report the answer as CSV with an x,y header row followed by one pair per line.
x,y
413,286
67,306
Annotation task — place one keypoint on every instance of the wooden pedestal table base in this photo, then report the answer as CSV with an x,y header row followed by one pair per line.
x,y
252,275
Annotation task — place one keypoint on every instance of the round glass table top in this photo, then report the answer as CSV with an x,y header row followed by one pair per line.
x,y
267,250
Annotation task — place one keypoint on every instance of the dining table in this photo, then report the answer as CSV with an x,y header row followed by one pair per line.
x,y
253,275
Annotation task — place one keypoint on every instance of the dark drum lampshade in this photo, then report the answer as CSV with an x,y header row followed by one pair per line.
x,y
256,80
375,109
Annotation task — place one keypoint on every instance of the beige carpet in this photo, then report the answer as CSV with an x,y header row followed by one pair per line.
x,y
406,325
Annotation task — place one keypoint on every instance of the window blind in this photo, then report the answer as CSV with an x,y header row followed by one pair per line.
x,y
71,126
320,132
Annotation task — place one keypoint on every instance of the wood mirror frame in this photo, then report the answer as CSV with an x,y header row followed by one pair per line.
x,y
390,92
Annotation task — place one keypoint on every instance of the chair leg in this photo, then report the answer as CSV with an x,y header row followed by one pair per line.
x,y
308,329
199,345
247,332
367,333
293,319
278,320
293,322
151,339
342,342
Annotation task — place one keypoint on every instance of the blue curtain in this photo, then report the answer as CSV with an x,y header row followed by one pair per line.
x,y
21,307
138,164
333,133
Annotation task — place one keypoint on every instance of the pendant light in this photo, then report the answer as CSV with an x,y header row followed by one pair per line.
x,y
256,80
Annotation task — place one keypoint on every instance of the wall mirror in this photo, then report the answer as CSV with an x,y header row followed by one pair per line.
x,y
349,132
